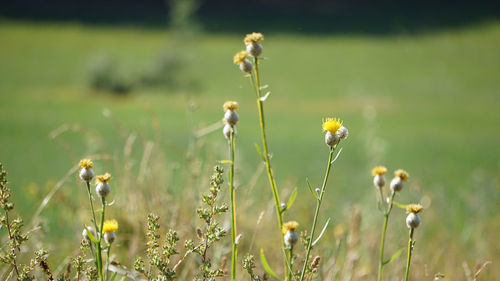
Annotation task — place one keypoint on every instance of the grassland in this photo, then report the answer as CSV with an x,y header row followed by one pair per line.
x,y
427,103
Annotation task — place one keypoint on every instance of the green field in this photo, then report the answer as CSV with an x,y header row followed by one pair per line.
x,y
427,103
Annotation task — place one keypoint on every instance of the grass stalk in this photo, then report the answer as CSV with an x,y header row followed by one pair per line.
x,y
384,231
234,253
316,214
410,249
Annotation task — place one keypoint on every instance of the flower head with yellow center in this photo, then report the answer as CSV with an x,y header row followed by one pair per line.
x,y
290,226
253,38
110,226
230,105
86,163
240,57
414,208
401,174
104,178
331,125
379,170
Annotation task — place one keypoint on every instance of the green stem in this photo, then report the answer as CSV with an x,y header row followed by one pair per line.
x,y
107,261
270,174
91,206
384,230
316,214
233,207
99,241
410,249
290,255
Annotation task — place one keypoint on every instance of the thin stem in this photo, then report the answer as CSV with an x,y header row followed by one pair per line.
x,y
99,241
410,249
290,256
91,206
382,239
107,261
316,214
270,174
13,241
233,206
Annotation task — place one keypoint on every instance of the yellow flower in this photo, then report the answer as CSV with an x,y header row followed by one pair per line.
x,y
289,226
104,178
401,174
86,163
331,125
379,170
253,38
240,57
110,226
414,208
230,105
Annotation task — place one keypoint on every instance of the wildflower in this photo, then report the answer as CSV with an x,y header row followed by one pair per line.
x,y
289,230
109,228
334,131
231,117
413,220
102,187
86,173
378,173
397,182
252,42
241,59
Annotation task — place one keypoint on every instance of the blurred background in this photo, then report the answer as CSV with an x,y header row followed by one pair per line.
x,y
139,86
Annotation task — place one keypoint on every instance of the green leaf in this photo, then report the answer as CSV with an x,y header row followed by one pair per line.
x,y
225,161
337,156
312,190
90,235
402,206
113,277
291,199
259,151
395,256
321,234
266,266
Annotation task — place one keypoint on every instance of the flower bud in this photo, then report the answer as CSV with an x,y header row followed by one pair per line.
x,y
396,184
85,234
102,189
291,237
331,139
231,117
86,174
246,66
109,237
412,220
227,131
343,133
254,49
379,181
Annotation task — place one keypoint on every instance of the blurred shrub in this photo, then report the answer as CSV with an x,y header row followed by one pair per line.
x,y
104,75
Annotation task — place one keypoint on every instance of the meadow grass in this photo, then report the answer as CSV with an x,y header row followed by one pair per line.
x,y
424,102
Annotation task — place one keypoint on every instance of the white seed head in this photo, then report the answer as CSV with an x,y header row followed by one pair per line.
x,y
379,181
343,133
102,189
291,237
396,184
254,49
246,66
331,139
109,237
412,220
231,117
87,174
227,131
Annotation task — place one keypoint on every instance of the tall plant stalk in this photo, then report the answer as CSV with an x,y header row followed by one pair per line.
x,y
316,213
272,182
387,212
234,254
410,249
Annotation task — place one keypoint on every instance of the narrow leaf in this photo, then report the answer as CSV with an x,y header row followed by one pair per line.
x,y
322,232
402,206
337,156
266,267
90,235
225,161
113,277
291,199
264,98
312,190
395,256
259,151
